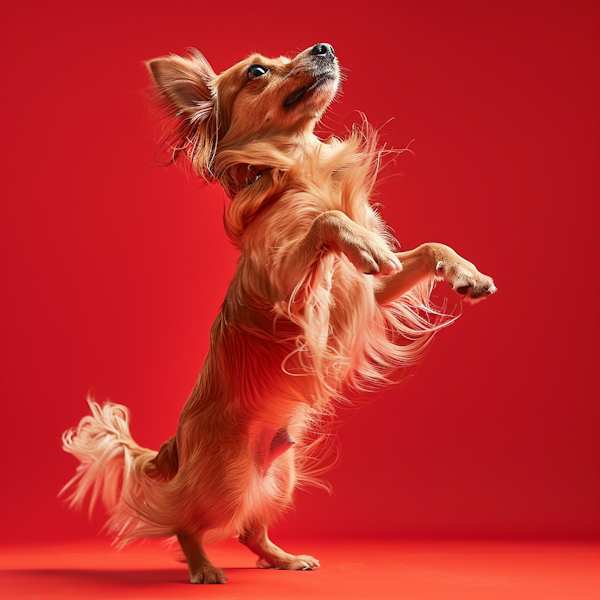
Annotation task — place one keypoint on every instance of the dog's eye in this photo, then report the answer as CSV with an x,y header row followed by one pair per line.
x,y
256,71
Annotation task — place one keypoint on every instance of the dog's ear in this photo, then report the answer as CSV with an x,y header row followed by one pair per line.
x,y
186,86
184,82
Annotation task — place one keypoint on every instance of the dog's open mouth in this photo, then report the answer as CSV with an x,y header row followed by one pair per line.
x,y
318,81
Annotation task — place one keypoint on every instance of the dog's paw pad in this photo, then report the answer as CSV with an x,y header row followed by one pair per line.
x,y
477,293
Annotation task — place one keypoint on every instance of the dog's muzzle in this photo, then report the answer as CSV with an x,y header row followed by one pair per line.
x,y
323,68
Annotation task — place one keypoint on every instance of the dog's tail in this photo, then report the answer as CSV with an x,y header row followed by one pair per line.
x,y
112,466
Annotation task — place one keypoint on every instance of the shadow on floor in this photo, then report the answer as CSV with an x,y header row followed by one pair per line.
x,y
108,577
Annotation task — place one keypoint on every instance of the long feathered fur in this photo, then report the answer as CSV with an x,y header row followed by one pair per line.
x,y
311,346
295,329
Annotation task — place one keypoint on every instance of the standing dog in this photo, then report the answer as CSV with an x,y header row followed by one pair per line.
x,y
319,302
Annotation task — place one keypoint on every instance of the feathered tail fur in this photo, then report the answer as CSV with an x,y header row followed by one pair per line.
x,y
112,466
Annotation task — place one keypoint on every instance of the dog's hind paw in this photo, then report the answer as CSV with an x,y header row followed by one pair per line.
x,y
303,562
263,563
208,574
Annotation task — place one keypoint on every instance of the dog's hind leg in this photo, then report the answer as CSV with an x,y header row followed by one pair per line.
x,y
255,537
200,567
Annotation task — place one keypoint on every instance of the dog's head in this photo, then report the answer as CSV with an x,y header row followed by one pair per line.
x,y
258,97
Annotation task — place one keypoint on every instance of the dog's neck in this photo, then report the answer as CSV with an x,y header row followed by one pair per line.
x,y
256,172
239,163
293,144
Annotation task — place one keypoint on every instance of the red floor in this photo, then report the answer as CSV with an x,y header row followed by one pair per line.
x,y
406,570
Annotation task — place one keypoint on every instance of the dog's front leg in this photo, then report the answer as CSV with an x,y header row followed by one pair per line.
x,y
255,537
200,567
366,250
436,261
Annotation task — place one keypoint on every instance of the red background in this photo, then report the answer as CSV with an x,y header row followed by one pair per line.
x,y
113,270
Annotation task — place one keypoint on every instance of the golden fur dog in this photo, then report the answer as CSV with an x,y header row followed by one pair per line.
x,y
319,303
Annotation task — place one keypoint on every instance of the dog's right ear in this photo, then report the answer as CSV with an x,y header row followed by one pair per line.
x,y
186,87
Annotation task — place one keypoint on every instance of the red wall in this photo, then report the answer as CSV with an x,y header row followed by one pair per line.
x,y
112,270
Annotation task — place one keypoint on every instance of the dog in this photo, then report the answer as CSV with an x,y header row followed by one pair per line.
x,y
321,303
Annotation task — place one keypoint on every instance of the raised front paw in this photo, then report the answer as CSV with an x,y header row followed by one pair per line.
x,y
465,279
302,562
208,574
370,255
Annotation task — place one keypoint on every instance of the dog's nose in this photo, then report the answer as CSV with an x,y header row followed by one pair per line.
x,y
323,50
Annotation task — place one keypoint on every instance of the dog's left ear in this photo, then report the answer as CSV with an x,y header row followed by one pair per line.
x,y
186,87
